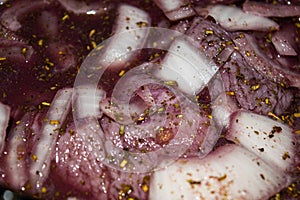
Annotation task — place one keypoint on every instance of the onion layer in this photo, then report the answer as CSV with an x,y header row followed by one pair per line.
x,y
175,9
54,119
16,148
4,118
186,65
271,9
9,17
218,176
271,140
86,102
81,7
233,19
131,20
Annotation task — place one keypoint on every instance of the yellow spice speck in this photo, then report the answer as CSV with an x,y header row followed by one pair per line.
x,y
122,72
210,116
47,68
24,50
145,188
94,44
141,118
44,190
100,47
122,130
54,122
209,32
170,83
179,116
45,103
248,53
123,163
296,114
65,17
34,157
92,32
40,42
267,101
231,93
255,87
274,116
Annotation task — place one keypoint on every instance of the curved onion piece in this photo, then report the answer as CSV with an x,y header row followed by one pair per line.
x,y
170,5
282,44
222,105
218,176
233,19
271,10
271,70
9,17
81,7
2,2
4,118
222,108
86,101
130,20
180,13
55,117
86,111
272,141
175,9
16,153
186,65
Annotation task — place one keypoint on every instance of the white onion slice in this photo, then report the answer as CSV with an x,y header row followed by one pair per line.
x,y
175,9
16,154
2,2
86,101
130,20
170,5
81,7
4,118
180,13
282,45
271,9
55,117
222,108
271,140
9,17
233,19
186,65
230,172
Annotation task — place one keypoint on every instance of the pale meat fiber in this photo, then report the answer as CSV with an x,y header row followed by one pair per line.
x,y
149,99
